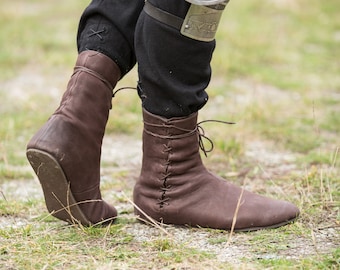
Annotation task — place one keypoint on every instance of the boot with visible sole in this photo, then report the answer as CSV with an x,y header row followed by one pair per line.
x,y
175,188
65,152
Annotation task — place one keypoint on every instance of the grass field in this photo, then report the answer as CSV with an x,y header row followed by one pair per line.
x,y
275,73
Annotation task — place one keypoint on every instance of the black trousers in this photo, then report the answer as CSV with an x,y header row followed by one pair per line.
x,y
174,71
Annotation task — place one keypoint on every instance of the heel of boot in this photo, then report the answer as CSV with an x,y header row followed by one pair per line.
x,y
58,196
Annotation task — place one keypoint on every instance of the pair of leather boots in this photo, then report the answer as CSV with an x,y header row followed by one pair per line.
x,y
174,187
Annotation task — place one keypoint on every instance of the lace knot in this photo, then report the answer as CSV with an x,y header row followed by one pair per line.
x,y
202,136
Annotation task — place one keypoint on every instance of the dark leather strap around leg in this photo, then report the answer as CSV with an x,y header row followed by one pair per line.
x,y
163,16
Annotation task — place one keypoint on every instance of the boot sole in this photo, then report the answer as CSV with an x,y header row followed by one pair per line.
x,y
275,226
143,220
58,196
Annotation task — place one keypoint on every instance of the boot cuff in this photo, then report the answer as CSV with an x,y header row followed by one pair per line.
x,y
101,64
170,126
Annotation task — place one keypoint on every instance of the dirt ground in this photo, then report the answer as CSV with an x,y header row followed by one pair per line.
x,y
31,82
319,242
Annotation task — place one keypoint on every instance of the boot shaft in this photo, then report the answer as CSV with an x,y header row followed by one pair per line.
x,y
87,100
171,141
73,134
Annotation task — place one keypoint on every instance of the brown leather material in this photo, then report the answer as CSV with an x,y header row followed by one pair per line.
x,y
71,140
174,186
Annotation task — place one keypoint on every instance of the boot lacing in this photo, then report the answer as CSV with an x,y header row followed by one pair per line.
x,y
95,74
201,135
165,187
197,130
106,82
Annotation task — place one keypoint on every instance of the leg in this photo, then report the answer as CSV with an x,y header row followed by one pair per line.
x,y
108,26
174,70
174,186
65,153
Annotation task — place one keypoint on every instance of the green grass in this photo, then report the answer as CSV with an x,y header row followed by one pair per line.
x,y
33,34
275,73
286,45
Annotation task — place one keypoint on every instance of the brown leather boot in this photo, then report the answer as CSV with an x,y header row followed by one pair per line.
x,y
65,152
175,188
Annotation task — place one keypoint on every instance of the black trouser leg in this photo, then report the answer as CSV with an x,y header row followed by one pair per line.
x,y
108,26
174,70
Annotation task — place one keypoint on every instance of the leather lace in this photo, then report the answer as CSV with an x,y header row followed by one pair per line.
x,y
95,74
163,200
202,136
123,88
187,133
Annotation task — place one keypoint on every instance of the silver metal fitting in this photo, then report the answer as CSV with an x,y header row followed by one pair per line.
x,y
201,22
